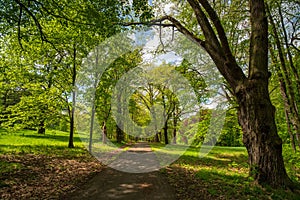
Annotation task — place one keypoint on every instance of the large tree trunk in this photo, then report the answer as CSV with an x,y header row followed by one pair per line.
x,y
256,112
264,146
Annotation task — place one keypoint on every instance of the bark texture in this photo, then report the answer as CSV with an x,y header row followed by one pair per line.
x,y
264,146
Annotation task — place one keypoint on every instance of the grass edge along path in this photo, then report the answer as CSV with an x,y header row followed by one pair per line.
x,y
222,174
41,166
34,166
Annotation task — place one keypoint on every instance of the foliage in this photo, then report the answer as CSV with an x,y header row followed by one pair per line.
x,y
107,84
231,133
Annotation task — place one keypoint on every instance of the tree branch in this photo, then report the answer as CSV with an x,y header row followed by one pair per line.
x,y
175,23
205,25
220,30
61,15
19,28
36,21
227,67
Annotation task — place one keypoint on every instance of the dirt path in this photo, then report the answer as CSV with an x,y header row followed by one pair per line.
x,y
115,184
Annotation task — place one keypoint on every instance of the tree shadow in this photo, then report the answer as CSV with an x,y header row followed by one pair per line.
x,y
218,176
50,150
60,138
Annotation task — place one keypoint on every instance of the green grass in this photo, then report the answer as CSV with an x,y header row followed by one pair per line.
x,y
223,172
29,142
54,143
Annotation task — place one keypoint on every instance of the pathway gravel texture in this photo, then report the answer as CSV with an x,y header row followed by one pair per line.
x,y
133,176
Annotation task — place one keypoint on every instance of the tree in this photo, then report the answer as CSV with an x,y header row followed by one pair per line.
x,y
70,28
32,98
283,56
143,101
162,86
105,91
256,113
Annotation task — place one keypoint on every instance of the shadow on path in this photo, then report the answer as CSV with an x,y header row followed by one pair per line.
x,y
129,183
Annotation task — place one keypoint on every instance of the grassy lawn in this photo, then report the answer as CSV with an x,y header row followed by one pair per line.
x,y
222,174
29,142
36,166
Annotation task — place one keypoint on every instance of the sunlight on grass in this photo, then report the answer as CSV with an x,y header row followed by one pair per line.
x,y
27,141
9,167
109,147
53,143
226,154
222,172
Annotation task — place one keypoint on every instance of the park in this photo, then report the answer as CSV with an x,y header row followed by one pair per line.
x,y
194,99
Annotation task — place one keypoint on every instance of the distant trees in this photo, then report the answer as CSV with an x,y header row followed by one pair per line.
x,y
284,27
159,88
105,89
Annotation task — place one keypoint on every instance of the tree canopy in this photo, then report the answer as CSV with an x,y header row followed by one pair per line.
x,y
49,55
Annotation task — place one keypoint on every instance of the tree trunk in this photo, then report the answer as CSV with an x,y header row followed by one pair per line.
x,y
288,109
256,113
71,137
174,136
159,136
286,86
154,119
298,139
92,127
104,133
264,146
175,129
96,81
41,129
290,132
165,117
166,132
119,124
119,134
156,137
